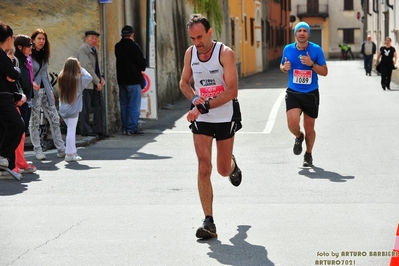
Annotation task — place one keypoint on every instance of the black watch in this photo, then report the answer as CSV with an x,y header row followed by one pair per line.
x,y
313,65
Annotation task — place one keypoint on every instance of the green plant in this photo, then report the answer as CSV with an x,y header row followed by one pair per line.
x,y
210,9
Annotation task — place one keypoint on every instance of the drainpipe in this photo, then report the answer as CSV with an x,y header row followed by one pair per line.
x,y
375,6
389,5
104,56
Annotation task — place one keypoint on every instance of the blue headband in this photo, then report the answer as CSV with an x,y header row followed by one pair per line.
x,y
302,25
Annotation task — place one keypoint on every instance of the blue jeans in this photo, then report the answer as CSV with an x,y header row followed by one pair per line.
x,y
130,102
368,63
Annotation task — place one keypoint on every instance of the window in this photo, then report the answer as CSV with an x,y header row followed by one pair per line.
x,y
245,28
263,30
268,31
233,32
348,4
252,24
349,36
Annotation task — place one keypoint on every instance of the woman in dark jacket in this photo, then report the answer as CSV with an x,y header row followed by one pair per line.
x,y
11,124
23,49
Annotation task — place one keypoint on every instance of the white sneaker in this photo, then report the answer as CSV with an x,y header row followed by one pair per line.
x,y
18,175
40,155
72,158
3,161
6,175
61,154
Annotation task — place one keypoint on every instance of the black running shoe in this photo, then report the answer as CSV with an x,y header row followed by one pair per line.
x,y
298,144
236,176
307,160
207,230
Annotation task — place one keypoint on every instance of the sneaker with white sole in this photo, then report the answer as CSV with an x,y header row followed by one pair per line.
x,y
72,158
28,170
6,175
40,155
61,154
3,161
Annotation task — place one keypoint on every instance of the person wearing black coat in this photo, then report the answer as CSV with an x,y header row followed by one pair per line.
x,y
11,124
23,48
130,62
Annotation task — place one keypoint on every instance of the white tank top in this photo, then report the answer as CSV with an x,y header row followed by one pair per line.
x,y
209,82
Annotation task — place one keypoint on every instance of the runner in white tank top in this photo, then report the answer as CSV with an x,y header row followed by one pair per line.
x,y
209,83
215,113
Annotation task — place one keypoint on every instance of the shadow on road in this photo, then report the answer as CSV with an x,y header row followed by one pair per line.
x,y
320,173
240,252
10,187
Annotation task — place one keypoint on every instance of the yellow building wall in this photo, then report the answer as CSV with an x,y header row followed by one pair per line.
x,y
244,50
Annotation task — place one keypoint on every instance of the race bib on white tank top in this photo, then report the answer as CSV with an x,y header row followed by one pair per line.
x,y
209,83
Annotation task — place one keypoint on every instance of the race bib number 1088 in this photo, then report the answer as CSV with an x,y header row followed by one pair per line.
x,y
302,76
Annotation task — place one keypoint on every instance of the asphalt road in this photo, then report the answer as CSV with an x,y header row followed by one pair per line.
x,y
134,201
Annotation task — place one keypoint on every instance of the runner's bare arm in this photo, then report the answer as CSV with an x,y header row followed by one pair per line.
x,y
320,70
186,76
186,88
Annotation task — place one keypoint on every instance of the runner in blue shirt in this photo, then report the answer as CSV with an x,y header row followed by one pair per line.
x,y
303,61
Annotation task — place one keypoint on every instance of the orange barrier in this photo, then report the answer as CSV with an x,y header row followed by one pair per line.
x,y
395,256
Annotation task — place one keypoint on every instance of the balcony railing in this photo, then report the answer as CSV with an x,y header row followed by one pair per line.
x,y
312,11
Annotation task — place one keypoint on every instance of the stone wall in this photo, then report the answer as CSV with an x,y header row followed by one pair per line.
x,y
66,21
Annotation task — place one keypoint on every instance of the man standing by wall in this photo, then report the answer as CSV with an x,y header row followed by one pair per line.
x,y
368,50
130,62
92,94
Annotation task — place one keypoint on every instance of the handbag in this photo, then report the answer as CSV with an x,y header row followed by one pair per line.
x,y
378,67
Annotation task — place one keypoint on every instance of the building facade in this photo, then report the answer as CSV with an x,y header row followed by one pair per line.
x,y
331,22
381,20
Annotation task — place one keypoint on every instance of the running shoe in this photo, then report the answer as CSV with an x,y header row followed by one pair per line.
x,y
307,160
40,155
72,158
3,162
207,230
298,144
28,170
236,176
61,154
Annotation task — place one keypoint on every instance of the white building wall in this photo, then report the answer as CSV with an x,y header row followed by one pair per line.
x,y
376,26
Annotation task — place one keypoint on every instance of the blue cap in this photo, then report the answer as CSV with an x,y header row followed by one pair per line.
x,y
300,25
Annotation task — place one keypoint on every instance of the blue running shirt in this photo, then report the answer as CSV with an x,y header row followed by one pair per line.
x,y
301,77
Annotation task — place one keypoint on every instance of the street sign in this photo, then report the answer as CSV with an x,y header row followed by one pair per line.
x,y
105,1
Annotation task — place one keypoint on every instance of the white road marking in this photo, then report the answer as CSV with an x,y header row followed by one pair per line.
x,y
273,114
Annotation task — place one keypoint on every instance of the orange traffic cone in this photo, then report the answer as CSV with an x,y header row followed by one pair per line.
x,y
395,255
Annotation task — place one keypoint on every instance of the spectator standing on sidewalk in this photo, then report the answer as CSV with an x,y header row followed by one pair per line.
x,y
368,50
23,49
215,111
11,124
130,62
43,98
92,94
388,63
71,82
303,61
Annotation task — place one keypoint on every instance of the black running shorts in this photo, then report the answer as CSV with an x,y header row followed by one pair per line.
x,y
219,131
307,102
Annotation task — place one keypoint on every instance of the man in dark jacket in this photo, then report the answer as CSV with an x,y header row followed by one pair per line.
x,y
130,62
368,50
